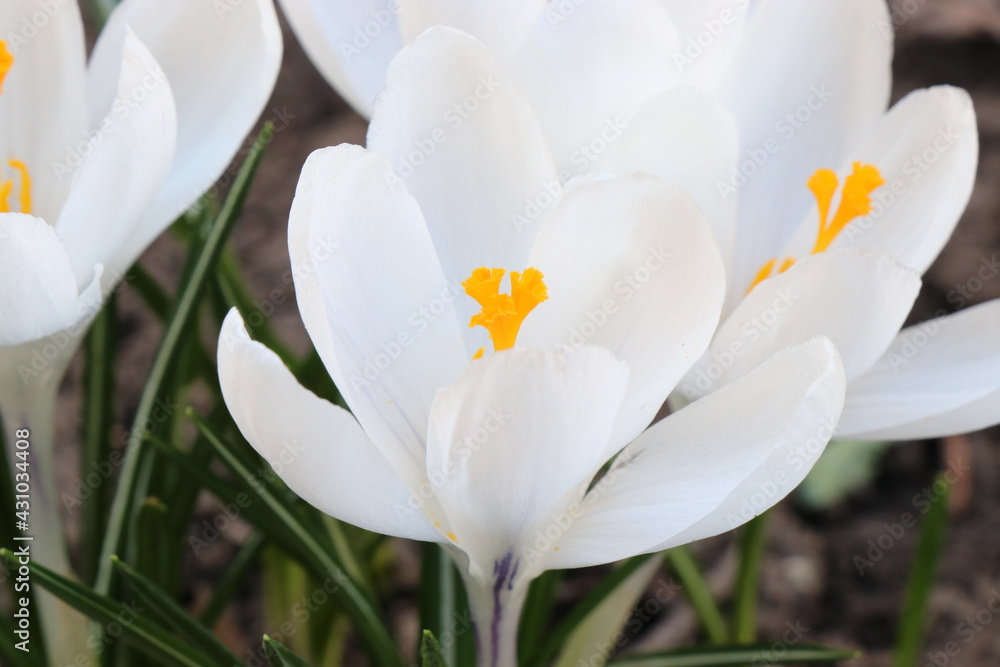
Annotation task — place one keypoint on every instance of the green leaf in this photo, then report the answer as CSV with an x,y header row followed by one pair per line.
x,y
723,656
933,531
845,467
538,608
443,604
431,654
134,475
232,579
100,384
156,298
604,625
136,630
233,287
172,613
557,638
100,10
279,656
355,599
684,565
748,579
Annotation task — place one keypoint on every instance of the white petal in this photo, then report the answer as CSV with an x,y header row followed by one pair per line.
x,y
588,68
927,150
857,299
687,477
630,265
468,148
221,60
38,292
42,117
834,62
975,416
351,42
709,32
517,439
501,26
123,171
373,297
931,368
686,137
317,448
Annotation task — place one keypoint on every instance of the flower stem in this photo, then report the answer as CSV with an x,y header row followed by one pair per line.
x,y
496,605
31,408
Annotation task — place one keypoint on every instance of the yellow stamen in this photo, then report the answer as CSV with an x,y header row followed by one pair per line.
x,y
503,314
6,62
855,201
7,188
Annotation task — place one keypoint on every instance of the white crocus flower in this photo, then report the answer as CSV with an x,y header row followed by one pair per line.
x,y
484,409
95,162
762,110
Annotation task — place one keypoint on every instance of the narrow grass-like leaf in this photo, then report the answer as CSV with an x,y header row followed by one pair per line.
x,y
280,656
431,654
233,287
912,622
444,606
748,580
232,579
182,622
684,565
99,382
538,607
152,293
723,656
136,631
100,10
132,478
605,624
557,638
354,598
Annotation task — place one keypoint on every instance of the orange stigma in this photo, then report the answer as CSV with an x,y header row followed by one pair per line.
x,y
7,189
503,314
6,62
855,202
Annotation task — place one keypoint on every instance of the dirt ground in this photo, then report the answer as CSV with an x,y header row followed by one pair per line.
x,y
811,575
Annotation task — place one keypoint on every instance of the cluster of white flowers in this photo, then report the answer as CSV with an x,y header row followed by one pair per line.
x,y
647,200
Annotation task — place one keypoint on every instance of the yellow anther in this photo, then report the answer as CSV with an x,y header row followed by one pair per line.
x,y
855,201
7,188
503,314
6,62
